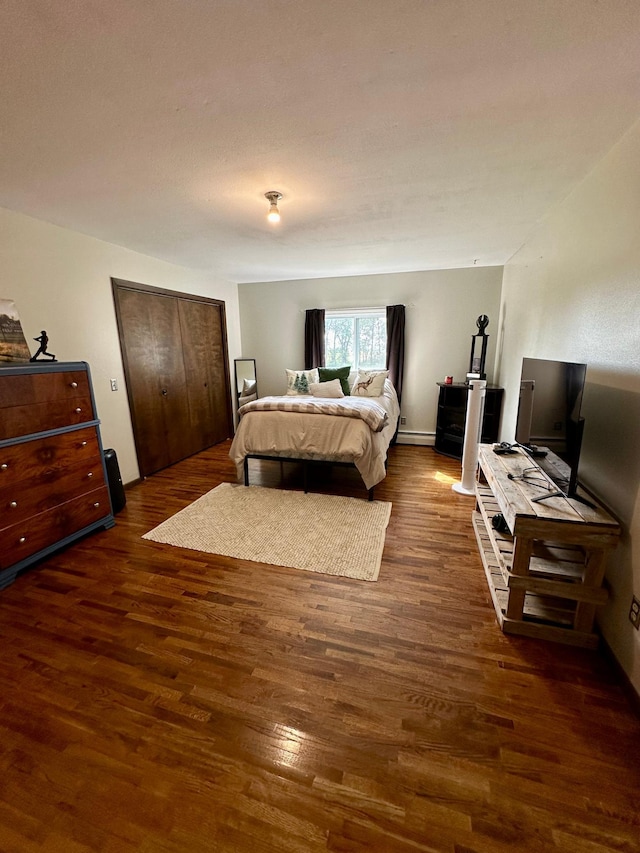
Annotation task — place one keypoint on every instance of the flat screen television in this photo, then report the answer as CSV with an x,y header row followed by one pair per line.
x,y
549,415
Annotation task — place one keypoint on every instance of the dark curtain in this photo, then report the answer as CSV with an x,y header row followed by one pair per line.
x,y
314,338
395,346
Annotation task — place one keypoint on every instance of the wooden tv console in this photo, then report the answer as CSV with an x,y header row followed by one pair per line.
x,y
545,575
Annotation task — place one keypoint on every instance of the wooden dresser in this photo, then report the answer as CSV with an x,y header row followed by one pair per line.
x,y
545,573
53,486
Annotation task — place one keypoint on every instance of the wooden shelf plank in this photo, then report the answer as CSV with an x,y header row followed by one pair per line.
x,y
573,592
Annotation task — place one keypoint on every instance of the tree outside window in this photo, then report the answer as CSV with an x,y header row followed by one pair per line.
x,y
357,338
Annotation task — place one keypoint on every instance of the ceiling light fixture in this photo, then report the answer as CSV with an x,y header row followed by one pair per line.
x,y
273,198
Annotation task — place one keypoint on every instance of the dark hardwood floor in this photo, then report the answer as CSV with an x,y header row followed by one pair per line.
x,y
158,699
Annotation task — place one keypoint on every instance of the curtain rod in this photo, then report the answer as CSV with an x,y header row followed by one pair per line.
x,y
355,310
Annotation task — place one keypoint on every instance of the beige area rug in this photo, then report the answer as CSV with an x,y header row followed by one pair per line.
x,y
318,533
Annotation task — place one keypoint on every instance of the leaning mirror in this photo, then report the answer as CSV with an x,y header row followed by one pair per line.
x,y
246,381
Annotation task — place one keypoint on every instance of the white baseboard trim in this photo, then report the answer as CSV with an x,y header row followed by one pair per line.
x,y
426,439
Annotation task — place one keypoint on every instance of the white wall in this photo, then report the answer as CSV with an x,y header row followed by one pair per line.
x,y
61,281
573,293
441,311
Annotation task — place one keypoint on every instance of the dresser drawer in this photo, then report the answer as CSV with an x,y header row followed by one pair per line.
x,y
52,486
39,417
39,531
43,387
31,460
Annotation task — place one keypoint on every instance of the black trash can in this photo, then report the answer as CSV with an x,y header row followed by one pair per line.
x,y
114,481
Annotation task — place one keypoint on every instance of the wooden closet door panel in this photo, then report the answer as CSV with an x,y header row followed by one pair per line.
x,y
205,362
176,364
156,378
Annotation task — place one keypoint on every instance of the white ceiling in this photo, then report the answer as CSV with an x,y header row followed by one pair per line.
x,y
404,134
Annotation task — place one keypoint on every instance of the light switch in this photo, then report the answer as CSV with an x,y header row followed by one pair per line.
x,y
114,384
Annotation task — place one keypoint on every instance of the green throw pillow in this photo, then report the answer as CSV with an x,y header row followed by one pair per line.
x,y
341,373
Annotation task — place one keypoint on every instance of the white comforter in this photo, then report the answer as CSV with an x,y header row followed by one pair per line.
x,y
304,435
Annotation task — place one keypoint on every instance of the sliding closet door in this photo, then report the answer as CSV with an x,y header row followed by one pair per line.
x,y
203,336
150,332
176,366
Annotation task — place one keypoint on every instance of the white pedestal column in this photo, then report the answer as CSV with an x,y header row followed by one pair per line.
x,y
472,430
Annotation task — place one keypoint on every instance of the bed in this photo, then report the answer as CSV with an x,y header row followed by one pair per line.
x,y
311,428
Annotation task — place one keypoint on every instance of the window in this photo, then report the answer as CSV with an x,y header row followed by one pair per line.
x,y
357,337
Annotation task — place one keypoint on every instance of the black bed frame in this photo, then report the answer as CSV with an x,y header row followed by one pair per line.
x,y
305,467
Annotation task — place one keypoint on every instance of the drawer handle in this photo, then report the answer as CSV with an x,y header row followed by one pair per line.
x,y
74,384
97,504
4,466
90,474
13,504
22,540
83,444
78,410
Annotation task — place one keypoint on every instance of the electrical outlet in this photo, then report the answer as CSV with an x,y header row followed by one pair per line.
x,y
403,421
634,613
114,384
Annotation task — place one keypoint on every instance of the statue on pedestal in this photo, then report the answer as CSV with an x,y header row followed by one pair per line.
x,y
482,322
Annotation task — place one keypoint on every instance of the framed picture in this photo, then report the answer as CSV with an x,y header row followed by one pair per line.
x,y
13,344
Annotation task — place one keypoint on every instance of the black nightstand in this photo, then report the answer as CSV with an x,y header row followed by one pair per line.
x,y
452,413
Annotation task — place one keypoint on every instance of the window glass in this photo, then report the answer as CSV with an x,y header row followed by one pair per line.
x,y
356,337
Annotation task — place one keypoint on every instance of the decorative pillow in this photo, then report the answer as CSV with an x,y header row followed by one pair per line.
x,y
341,373
248,386
369,383
298,381
332,389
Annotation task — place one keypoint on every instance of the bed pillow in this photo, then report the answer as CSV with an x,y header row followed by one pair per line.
x,y
298,381
248,386
369,383
341,373
332,389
